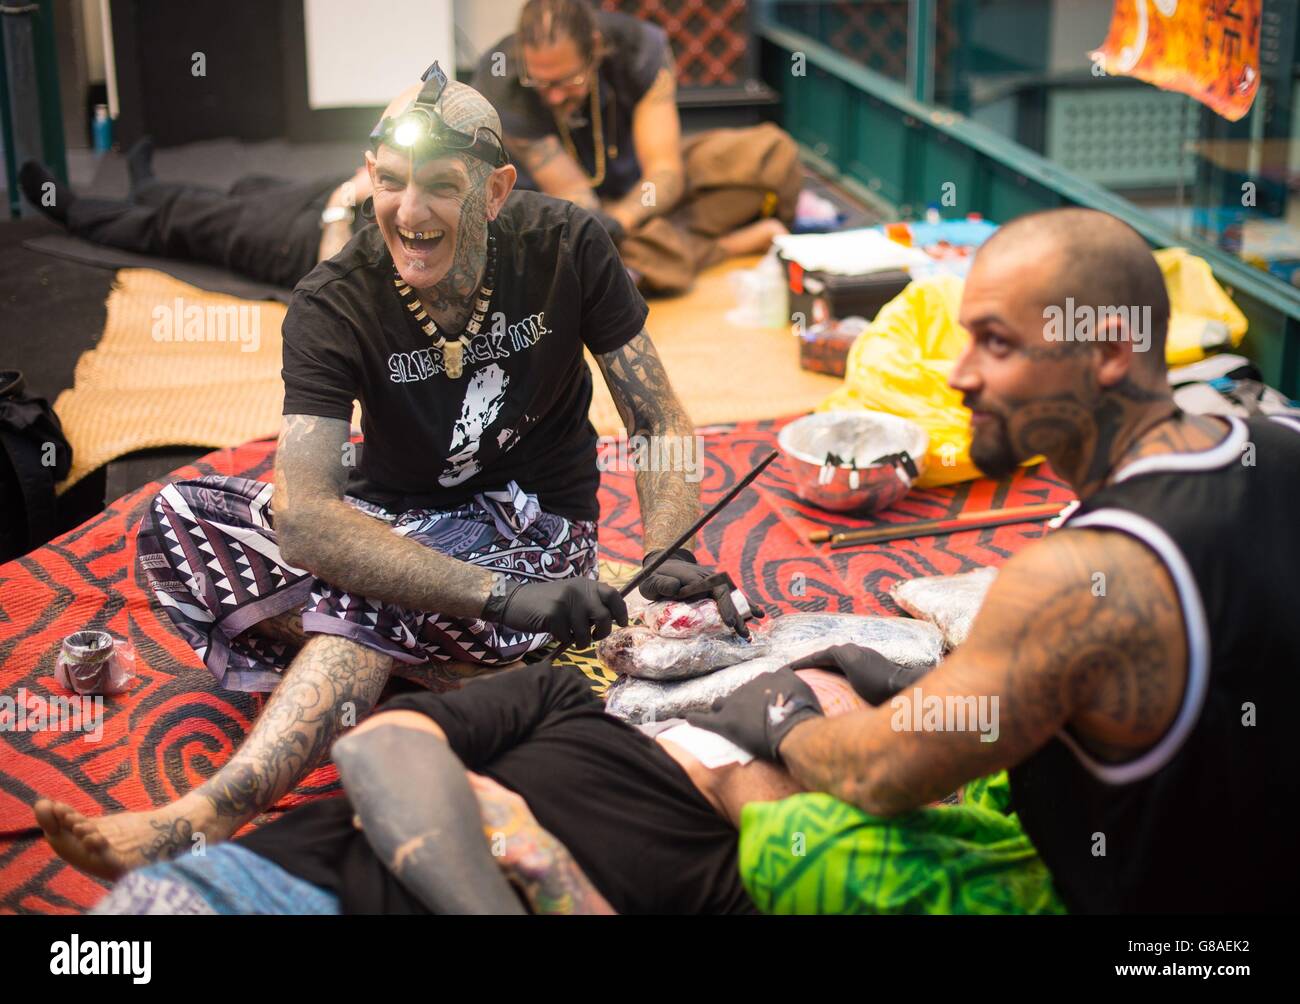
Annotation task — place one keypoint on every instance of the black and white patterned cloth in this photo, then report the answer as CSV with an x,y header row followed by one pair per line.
x,y
208,548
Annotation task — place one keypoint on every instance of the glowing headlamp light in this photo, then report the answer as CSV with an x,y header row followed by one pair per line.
x,y
410,129
421,131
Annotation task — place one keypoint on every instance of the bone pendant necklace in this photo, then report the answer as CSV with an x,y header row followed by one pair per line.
x,y
453,352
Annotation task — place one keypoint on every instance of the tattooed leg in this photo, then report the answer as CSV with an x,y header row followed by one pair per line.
x,y
420,815
332,683
285,629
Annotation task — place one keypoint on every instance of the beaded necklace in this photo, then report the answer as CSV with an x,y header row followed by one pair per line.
x,y
453,352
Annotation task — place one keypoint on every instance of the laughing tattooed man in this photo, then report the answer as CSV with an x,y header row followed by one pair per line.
x,y
465,528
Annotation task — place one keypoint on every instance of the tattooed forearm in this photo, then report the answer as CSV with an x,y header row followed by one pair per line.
x,y
656,194
420,815
670,502
1051,648
562,888
318,531
333,684
536,154
657,131
554,170
531,857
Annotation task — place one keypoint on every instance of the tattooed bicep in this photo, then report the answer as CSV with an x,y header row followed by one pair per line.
x,y
1068,621
313,458
664,86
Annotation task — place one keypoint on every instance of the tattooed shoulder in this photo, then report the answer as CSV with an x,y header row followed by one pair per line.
x,y
1088,630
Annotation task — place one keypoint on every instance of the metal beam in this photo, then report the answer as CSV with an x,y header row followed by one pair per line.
x,y
1023,163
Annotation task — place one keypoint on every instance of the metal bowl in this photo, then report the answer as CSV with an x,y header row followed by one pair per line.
x,y
853,461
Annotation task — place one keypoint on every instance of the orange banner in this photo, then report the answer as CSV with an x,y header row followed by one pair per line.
x,y
1206,48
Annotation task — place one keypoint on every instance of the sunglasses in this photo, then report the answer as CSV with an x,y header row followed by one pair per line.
x,y
421,129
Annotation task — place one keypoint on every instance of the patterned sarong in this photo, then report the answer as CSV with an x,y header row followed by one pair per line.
x,y
209,550
813,854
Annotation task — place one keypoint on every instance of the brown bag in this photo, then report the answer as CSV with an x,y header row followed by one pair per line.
x,y
733,177
736,176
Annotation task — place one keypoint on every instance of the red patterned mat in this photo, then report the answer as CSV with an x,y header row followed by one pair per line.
x,y
176,728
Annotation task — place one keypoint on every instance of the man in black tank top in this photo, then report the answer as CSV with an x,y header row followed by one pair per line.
x,y
1143,658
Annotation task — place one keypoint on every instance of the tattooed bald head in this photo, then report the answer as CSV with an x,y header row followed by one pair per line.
x,y
462,108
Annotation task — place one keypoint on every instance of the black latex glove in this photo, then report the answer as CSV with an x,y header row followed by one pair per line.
x,y
874,678
681,578
569,610
758,715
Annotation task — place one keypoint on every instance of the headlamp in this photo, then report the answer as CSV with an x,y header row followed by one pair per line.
x,y
421,131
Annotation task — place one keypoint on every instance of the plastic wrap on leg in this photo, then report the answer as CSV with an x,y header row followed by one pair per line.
x,y
907,642
678,619
949,602
638,651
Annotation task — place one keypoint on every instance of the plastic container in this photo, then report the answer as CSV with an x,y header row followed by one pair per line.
x,y
101,130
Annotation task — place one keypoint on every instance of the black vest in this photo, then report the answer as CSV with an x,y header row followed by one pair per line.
x,y
1201,822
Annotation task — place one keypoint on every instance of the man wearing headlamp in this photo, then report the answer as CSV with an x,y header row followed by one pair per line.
x,y
466,529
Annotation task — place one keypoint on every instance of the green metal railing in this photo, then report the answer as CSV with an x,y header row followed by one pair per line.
x,y
886,143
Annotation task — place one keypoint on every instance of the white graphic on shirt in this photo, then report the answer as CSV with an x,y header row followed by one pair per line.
x,y
484,396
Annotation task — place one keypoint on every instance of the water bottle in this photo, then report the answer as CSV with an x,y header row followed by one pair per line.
x,y
102,130
773,304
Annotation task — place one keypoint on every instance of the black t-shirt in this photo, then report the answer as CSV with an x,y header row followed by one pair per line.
x,y
518,412
639,52
627,812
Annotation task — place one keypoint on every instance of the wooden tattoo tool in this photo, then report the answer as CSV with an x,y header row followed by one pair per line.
x,y
938,527
681,541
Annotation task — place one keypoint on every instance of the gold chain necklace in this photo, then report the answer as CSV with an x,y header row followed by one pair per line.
x,y
598,139
453,352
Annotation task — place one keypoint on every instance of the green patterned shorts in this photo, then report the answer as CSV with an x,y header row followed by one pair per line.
x,y
813,854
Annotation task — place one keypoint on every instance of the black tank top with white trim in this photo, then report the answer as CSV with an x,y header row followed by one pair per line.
x,y
1201,822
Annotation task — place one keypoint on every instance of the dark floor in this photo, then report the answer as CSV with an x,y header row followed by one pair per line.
x,y
52,310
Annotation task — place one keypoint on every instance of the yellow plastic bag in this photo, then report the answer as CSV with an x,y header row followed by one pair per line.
x,y
1202,316
900,365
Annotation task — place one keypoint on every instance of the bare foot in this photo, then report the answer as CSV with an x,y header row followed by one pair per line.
x,y
109,846
755,238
